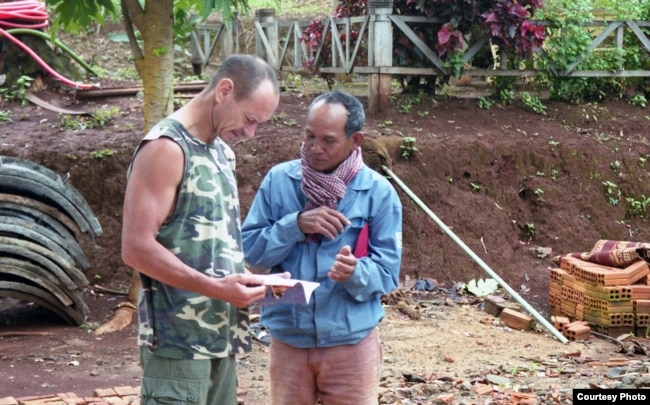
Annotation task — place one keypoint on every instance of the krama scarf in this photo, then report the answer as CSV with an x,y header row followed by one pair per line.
x,y
324,189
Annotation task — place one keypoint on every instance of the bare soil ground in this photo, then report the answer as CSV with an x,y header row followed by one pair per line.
x,y
505,181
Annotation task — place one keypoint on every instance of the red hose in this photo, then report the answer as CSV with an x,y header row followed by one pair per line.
x,y
30,14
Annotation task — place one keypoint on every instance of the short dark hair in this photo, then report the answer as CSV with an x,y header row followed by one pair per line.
x,y
247,72
356,116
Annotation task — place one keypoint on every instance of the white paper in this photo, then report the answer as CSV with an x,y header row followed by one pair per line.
x,y
298,291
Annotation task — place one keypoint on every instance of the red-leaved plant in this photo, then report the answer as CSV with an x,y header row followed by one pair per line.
x,y
507,22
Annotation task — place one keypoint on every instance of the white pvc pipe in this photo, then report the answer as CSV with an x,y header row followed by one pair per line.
x,y
477,259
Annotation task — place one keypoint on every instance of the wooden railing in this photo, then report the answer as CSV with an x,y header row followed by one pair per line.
x,y
282,45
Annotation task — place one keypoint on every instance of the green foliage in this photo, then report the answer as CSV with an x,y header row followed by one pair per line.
x,y
637,208
102,154
612,193
484,103
621,9
639,100
405,103
103,116
5,116
455,63
569,35
529,229
533,103
408,147
98,118
506,96
554,174
502,89
17,91
77,15
227,8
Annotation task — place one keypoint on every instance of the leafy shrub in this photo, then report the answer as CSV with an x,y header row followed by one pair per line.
x,y
570,35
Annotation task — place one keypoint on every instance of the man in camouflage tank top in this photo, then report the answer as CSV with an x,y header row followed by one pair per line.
x,y
182,233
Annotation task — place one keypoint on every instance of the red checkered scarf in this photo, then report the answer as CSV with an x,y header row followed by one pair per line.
x,y
327,189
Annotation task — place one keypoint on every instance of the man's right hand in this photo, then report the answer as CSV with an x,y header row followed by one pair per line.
x,y
242,290
322,220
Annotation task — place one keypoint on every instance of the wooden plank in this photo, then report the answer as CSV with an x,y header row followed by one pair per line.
x,y
423,47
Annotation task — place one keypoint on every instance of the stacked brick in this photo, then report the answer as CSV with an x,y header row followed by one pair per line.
x,y
573,331
608,300
109,396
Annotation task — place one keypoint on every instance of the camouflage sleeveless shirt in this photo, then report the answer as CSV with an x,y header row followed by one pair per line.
x,y
204,231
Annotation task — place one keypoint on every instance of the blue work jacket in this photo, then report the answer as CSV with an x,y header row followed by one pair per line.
x,y
338,313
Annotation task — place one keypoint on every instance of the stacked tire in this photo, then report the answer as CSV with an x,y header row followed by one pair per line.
x,y
43,221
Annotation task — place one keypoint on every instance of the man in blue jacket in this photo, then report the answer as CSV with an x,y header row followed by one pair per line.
x,y
306,218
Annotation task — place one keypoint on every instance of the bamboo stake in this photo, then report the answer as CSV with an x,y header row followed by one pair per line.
x,y
477,259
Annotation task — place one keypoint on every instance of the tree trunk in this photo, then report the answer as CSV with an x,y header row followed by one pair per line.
x,y
155,65
155,62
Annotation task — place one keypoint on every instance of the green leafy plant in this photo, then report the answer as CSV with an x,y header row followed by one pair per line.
x,y
506,96
102,154
637,207
612,193
5,116
554,174
98,118
408,147
484,103
455,63
570,33
533,103
502,89
103,116
406,102
18,91
529,229
639,100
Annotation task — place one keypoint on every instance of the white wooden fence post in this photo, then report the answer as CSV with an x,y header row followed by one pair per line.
x,y
267,48
229,41
380,54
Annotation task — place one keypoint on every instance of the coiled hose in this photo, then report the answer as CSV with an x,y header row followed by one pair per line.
x,y
26,17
